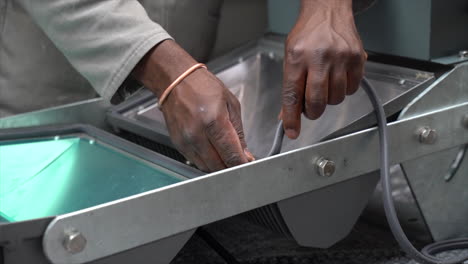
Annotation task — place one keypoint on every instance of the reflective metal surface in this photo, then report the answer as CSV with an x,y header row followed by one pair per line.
x,y
254,74
442,202
91,112
192,203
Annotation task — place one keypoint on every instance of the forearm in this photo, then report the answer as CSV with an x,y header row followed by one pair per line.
x,y
313,5
355,6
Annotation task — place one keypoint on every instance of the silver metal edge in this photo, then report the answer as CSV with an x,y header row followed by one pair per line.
x,y
187,205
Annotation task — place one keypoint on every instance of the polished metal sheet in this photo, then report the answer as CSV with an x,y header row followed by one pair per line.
x,y
254,75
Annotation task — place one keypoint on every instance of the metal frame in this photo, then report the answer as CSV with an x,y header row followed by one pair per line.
x,y
232,191
103,136
451,90
92,112
19,241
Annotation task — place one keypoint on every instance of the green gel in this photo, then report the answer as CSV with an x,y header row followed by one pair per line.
x,y
51,177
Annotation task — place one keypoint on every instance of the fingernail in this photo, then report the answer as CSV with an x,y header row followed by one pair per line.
x,y
250,156
291,133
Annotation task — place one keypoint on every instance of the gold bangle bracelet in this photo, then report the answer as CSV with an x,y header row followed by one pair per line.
x,y
177,81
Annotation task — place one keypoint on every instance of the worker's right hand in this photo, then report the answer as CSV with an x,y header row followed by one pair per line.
x,y
203,117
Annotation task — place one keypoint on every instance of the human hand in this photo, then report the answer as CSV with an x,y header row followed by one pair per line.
x,y
324,61
203,117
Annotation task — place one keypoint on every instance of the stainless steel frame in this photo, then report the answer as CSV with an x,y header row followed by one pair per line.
x,y
233,191
91,112
446,218
20,241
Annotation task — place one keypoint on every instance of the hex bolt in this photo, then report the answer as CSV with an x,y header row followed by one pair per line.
x,y
427,135
325,167
74,242
463,54
465,121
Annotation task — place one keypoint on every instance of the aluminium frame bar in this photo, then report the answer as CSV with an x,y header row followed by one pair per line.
x,y
130,222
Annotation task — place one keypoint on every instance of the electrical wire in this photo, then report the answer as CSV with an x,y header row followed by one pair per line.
x,y
427,254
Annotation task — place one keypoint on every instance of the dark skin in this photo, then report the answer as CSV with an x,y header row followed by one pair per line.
x,y
324,62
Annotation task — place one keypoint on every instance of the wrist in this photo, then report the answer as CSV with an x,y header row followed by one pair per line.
x,y
313,6
162,65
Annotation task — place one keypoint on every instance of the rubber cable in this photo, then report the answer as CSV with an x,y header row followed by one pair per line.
x,y
427,254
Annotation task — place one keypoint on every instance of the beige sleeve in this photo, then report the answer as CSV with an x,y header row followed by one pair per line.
x,y
102,39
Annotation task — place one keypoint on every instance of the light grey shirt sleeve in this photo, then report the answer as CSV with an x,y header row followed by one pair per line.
x,y
102,39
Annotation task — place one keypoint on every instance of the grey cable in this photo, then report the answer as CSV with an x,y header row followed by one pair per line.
x,y
426,256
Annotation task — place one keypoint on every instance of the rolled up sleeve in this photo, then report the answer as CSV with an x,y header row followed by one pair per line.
x,y
102,39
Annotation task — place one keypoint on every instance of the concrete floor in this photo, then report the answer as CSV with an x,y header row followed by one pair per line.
x,y
251,243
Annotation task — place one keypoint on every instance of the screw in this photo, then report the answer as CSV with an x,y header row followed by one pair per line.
x,y
465,121
463,54
74,242
325,167
427,135
271,55
402,82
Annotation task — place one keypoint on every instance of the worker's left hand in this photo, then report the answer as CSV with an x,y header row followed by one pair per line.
x,y
324,61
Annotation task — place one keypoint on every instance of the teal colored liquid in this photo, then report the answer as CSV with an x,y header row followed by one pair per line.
x,y
51,177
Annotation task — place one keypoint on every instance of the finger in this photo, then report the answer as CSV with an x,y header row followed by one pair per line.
x,y
234,109
316,93
355,73
207,153
294,78
249,155
225,139
337,85
191,156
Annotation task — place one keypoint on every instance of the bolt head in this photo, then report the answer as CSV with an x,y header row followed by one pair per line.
x,y
427,135
463,54
74,242
465,121
325,167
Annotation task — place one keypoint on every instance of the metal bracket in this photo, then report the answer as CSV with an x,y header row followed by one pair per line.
x,y
127,223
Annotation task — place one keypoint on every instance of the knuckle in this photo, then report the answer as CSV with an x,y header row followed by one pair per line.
x,y
290,95
321,56
188,137
355,56
294,53
212,128
233,159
